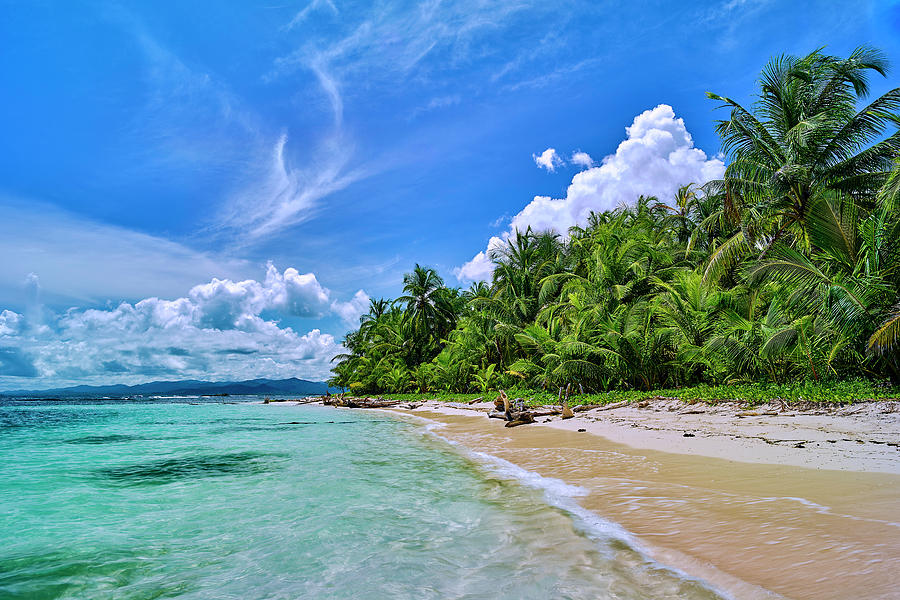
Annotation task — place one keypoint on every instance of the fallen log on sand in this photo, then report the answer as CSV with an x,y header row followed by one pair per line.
x,y
548,412
361,402
515,413
613,406
371,403
520,418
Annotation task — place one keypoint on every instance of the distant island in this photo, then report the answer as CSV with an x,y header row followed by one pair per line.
x,y
188,387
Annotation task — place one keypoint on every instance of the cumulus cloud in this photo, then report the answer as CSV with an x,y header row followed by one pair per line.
x,y
655,159
351,311
548,159
582,159
223,329
11,323
480,267
221,303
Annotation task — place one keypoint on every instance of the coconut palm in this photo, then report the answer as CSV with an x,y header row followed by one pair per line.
x,y
804,139
428,308
787,268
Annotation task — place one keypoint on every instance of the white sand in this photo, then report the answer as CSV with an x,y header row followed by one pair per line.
x,y
862,437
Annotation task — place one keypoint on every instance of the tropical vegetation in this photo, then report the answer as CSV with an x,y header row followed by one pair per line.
x,y
786,270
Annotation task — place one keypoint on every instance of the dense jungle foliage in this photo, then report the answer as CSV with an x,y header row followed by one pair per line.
x,y
786,270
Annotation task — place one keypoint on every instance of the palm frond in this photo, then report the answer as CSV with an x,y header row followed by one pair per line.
x,y
886,339
726,257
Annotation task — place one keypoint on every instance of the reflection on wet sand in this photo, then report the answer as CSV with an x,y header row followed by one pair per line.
x,y
799,533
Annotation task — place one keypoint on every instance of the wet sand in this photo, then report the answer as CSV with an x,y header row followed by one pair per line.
x,y
762,528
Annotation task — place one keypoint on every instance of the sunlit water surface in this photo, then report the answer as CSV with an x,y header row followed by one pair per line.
x,y
168,499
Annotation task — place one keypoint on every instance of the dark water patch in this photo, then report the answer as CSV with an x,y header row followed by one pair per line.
x,y
192,467
285,426
203,422
237,428
117,438
321,422
75,573
113,438
25,418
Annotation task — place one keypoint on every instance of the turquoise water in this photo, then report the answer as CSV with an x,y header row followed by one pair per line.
x,y
176,500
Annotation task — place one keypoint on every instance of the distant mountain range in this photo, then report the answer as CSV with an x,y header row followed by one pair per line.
x,y
293,386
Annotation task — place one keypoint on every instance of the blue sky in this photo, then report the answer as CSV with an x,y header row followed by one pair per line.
x,y
307,154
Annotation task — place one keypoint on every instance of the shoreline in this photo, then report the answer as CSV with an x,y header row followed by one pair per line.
x,y
754,529
762,505
862,437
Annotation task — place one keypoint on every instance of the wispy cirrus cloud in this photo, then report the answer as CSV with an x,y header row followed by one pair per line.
x,y
393,45
314,5
284,195
81,260
189,116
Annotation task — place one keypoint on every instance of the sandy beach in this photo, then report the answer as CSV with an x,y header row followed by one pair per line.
x,y
762,503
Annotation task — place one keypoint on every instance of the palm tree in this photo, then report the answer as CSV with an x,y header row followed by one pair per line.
x,y
804,140
682,209
789,267
428,308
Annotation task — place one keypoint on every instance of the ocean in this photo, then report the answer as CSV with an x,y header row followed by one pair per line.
x,y
196,498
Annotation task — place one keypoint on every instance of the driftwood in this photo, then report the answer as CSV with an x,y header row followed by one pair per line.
x,y
613,406
475,401
520,418
310,400
503,401
586,407
547,412
376,403
362,402
514,412
566,411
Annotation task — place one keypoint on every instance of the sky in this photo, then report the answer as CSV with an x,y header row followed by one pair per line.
x,y
216,190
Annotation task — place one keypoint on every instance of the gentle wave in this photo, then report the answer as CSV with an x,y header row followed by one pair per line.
x,y
561,495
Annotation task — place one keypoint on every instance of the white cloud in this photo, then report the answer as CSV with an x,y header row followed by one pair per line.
x,y
582,159
301,16
655,159
283,195
221,303
80,260
352,310
480,267
11,323
375,54
191,118
436,103
218,331
548,159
